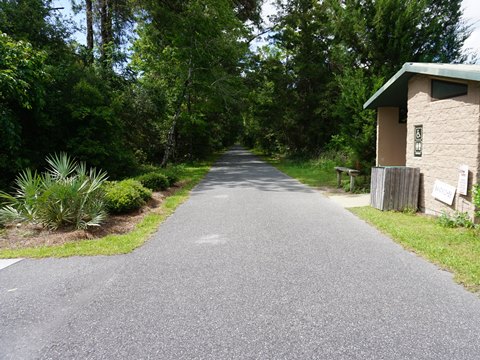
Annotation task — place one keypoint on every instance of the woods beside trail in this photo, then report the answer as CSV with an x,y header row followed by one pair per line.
x,y
173,81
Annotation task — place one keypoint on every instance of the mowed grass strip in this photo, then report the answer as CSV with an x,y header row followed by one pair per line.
x,y
456,250
124,243
314,173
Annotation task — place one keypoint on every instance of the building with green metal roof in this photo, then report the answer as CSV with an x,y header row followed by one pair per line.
x,y
428,116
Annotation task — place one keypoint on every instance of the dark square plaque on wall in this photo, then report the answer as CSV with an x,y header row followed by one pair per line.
x,y
418,140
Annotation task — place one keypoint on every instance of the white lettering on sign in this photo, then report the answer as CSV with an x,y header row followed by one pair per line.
x,y
462,186
443,192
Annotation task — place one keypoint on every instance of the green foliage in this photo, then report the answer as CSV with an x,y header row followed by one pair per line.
x,y
154,181
289,82
33,21
191,174
125,196
191,84
369,48
409,211
140,109
319,172
476,199
173,173
56,102
362,184
307,89
96,132
21,88
192,52
67,194
21,71
357,133
457,219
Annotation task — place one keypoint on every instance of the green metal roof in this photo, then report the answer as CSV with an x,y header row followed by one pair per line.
x,y
395,91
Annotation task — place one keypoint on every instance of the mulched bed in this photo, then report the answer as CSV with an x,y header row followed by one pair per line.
x,y
27,235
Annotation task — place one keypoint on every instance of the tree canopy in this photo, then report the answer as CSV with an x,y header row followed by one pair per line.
x,y
168,81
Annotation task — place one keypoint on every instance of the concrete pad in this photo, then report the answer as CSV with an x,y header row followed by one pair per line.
x,y
7,262
350,200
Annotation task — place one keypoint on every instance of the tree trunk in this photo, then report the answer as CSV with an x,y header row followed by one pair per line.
x,y
105,30
171,133
89,15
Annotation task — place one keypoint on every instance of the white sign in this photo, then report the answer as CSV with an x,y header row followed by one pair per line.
x,y
462,186
443,192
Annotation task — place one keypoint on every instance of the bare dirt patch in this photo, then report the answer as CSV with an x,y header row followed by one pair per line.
x,y
28,235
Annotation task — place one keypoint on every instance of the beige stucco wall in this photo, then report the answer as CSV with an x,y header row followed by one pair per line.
x,y
450,139
391,138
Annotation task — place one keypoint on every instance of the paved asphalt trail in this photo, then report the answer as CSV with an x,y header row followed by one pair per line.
x,y
254,266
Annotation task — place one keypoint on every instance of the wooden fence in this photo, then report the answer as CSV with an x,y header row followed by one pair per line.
x,y
395,188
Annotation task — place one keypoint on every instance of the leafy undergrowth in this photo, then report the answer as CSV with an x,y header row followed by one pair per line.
x,y
454,249
191,175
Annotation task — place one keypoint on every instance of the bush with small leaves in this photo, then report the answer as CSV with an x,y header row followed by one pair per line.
x,y
172,174
154,181
125,196
145,193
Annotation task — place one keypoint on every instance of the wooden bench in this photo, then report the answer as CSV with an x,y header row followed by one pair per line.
x,y
351,172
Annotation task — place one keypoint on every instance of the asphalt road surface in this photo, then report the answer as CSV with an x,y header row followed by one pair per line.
x,y
253,266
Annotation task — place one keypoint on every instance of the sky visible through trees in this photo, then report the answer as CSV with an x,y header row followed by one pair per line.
x,y
471,17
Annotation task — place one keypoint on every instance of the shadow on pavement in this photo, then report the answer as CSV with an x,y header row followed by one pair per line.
x,y
239,168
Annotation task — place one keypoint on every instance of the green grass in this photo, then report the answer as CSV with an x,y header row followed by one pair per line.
x,y
456,250
125,243
314,173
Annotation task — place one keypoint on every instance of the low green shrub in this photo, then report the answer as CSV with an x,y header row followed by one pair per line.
x,y
154,181
172,174
145,193
457,219
125,196
148,168
476,199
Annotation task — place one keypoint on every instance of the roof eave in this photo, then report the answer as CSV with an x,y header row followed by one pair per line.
x,y
370,104
399,82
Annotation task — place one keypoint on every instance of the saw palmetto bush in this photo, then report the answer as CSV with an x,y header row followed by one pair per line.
x,y
67,194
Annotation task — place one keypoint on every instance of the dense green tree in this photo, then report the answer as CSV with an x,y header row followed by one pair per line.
x,y
74,111
190,84
303,83
21,74
305,39
372,40
249,10
192,50
266,117
109,26
35,21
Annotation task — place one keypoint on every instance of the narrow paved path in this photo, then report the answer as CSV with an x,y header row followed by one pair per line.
x,y
254,266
